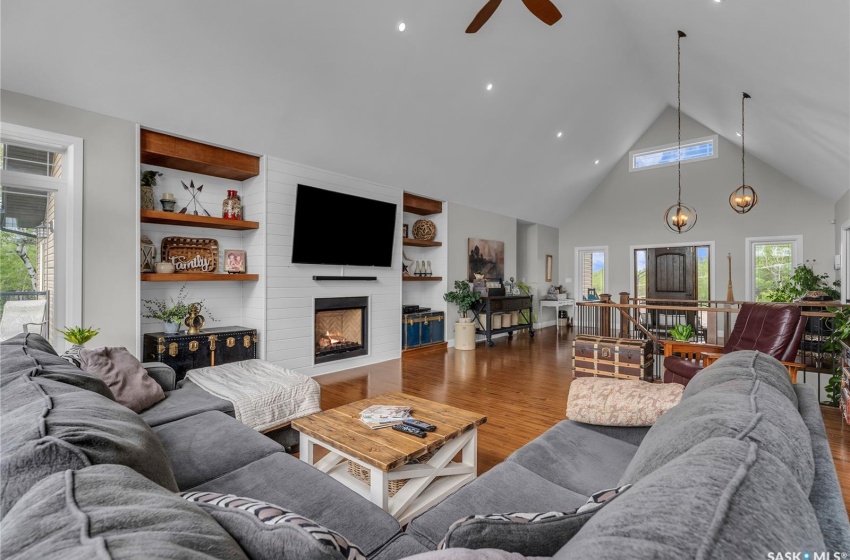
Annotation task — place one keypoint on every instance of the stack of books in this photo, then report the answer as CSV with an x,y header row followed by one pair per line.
x,y
382,416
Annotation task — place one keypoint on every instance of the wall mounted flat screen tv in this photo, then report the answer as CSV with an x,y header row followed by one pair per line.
x,y
342,229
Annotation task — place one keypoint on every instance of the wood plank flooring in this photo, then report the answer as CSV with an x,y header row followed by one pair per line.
x,y
520,385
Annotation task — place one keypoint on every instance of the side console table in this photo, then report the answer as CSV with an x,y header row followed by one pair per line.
x,y
498,304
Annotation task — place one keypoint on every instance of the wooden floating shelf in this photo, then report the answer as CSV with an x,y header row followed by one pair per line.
x,y
198,277
195,157
422,278
190,220
420,243
420,205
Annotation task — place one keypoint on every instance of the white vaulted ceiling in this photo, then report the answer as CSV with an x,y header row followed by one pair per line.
x,y
334,84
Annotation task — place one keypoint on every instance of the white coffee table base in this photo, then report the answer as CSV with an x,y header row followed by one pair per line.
x,y
428,483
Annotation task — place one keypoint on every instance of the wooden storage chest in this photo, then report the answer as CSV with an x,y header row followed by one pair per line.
x,y
621,358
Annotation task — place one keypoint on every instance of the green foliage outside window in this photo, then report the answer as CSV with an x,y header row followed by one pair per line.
x,y
801,281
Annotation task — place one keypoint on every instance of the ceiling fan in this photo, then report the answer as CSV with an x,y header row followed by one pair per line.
x,y
545,11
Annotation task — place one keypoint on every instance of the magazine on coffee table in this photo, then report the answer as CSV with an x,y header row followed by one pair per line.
x,y
384,416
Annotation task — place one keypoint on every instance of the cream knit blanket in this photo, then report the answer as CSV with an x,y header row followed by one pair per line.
x,y
264,395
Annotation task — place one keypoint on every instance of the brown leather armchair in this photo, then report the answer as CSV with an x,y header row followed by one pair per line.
x,y
773,328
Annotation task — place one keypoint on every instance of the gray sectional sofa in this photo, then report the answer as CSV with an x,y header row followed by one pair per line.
x,y
61,433
739,468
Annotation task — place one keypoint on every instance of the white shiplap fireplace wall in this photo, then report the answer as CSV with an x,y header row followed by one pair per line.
x,y
291,290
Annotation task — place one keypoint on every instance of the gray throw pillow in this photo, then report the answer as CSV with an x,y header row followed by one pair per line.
x,y
124,375
267,531
55,432
529,534
110,511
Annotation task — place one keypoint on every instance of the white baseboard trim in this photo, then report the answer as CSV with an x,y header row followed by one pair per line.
x,y
545,324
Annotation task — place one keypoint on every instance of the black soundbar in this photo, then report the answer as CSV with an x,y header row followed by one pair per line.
x,y
369,278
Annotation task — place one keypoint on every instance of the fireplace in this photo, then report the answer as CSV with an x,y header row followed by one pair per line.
x,y
340,328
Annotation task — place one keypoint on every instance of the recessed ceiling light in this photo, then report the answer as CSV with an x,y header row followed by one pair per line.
x,y
489,87
402,26
739,134
596,162
560,134
718,1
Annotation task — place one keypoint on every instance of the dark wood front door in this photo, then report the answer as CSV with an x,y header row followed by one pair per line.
x,y
671,273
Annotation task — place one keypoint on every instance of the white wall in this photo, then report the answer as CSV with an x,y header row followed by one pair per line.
x,y
110,192
627,209
291,289
547,244
465,222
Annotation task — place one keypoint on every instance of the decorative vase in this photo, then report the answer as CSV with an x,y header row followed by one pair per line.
x,y
425,230
416,269
464,335
231,208
167,205
147,197
428,271
170,328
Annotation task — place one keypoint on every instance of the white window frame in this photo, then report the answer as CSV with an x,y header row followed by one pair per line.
x,y
643,151
796,242
68,269
711,262
578,296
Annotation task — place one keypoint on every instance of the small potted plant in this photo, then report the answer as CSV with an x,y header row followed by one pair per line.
x,y
464,298
148,182
170,315
77,336
682,333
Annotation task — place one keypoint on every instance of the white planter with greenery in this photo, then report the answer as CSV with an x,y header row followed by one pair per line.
x,y
464,298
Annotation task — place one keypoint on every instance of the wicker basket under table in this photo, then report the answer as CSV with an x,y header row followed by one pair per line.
x,y
393,486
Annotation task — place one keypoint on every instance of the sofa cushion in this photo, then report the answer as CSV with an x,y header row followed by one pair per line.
x,y
21,360
508,486
610,402
531,534
401,546
744,408
124,375
69,430
576,458
30,340
268,531
724,498
747,363
210,444
186,401
292,484
110,511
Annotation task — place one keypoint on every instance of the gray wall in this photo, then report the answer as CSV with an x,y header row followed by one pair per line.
x,y
547,244
466,222
109,209
842,216
627,208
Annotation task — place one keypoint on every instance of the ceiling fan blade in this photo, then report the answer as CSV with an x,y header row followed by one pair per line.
x,y
483,15
545,10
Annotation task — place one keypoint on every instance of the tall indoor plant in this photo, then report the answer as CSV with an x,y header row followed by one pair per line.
x,y
464,298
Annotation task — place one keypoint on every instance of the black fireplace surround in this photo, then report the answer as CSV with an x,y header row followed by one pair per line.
x,y
330,346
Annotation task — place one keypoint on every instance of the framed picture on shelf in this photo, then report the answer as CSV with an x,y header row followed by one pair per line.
x,y
234,261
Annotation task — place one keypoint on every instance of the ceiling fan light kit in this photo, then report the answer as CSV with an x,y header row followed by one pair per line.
x,y
679,217
544,10
744,198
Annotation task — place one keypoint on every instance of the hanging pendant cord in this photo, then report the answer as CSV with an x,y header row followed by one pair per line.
x,y
679,101
744,98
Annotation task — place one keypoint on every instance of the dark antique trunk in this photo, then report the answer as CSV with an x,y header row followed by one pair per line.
x,y
211,347
422,329
621,358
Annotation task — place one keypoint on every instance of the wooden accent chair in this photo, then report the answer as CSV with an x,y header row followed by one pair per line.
x,y
773,328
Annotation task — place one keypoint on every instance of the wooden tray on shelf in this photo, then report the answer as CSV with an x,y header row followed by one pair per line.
x,y
190,254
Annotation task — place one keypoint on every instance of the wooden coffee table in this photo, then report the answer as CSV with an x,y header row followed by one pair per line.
x,y
387,453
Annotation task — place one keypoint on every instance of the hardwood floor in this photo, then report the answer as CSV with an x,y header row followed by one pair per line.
x,y
520,385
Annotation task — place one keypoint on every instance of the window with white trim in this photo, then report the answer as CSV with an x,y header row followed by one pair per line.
x,y
770,262
591,268
662,156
